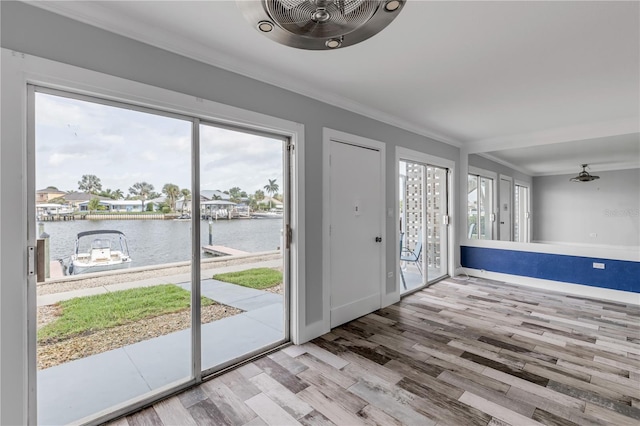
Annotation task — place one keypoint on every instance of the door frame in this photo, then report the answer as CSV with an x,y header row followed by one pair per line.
x,y
425,159
18,301
328,136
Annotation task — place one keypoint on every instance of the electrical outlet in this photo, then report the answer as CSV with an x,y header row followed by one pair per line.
x,y
598,265
593,235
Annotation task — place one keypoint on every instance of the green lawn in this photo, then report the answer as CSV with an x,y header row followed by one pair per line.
x,y
258,278
93,313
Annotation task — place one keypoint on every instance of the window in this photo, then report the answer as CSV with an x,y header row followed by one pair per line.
x,y
480,214
521,226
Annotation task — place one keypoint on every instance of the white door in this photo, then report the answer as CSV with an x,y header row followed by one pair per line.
x,y
505,209
356,211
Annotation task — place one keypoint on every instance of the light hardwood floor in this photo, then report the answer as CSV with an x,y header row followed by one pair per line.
x,y
462,352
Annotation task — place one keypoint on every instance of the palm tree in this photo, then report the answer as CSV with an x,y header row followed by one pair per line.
x,y
272,188
90,184
258,197
93,205
117,194
172,192
141,190
186,196
234,194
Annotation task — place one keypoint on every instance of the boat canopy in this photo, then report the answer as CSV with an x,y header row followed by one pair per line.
x,y
103,231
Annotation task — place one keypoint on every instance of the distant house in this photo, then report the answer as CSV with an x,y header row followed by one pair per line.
x,y
209,195
270,201
116,206
48,194
205,195
76,198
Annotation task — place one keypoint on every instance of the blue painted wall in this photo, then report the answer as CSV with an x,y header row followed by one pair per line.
x,y
618,274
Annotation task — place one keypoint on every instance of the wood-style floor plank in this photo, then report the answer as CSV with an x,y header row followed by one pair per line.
x,y
460,352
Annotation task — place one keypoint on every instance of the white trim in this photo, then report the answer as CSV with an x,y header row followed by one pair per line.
x,y
297,303
329,135
602,252
427,159
473,170
627,297
14,299
17,71
499,201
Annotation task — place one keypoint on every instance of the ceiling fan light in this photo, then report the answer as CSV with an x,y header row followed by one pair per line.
x,y
333,43
265,26
392,6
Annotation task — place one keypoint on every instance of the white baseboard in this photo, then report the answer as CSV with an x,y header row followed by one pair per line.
x,y
619,296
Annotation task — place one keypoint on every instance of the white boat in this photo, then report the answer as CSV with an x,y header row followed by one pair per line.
x,y
108,250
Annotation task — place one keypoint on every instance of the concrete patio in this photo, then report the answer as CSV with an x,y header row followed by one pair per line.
x,y
79,388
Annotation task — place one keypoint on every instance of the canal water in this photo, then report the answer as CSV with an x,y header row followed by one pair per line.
x,y
153,242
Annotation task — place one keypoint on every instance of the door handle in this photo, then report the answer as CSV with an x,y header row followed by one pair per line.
x,y
378,239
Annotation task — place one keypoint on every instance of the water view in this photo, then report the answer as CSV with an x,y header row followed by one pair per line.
x,y
154,242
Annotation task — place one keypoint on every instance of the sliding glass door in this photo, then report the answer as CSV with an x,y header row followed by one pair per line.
x,y
243,214
113,292
127,199
423,245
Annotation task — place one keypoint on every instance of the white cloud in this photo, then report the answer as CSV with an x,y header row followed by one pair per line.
x,y
122,147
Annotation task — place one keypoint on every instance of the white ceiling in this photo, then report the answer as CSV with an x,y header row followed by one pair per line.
x,y
601,154
484,74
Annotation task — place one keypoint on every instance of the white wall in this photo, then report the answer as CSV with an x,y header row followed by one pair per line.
x,y
601,212
480,162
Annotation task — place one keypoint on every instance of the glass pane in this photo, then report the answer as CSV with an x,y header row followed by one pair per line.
x,y
114,302
412,227
472,207
521,225
437,228
242,209
485,210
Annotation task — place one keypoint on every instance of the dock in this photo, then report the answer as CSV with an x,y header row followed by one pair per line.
x,y
55,270
222,251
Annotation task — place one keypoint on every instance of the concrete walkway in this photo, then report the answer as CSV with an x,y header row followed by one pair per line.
x,y
80,388
50,299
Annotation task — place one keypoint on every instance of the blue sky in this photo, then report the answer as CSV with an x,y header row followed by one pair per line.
x,y
122,147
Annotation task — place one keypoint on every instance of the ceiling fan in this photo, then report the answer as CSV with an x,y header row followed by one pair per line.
x,y
584,176
320,24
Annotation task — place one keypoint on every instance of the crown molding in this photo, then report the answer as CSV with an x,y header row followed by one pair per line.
x,y
517,168
552,136
94,14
